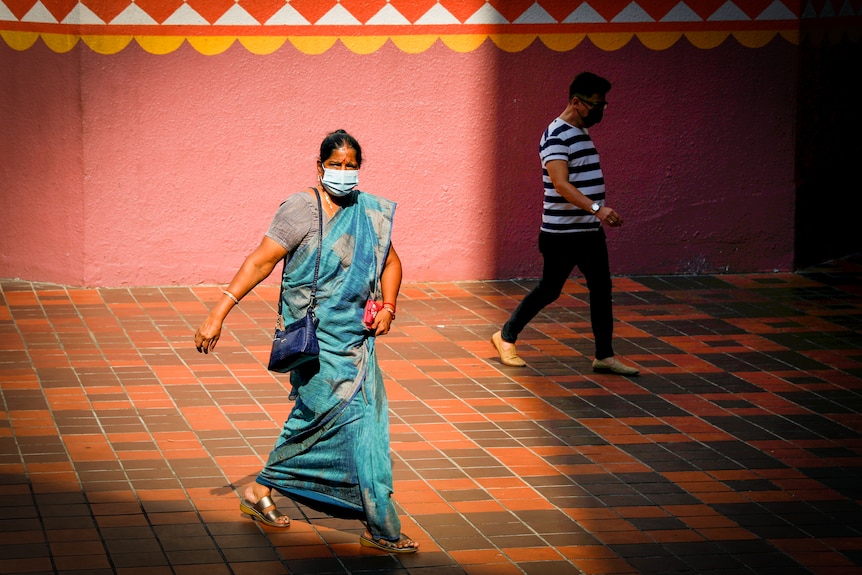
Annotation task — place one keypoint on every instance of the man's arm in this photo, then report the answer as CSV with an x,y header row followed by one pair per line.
x,y
558,171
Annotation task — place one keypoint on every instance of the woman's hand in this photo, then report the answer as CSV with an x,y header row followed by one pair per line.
x,y
390,282
382,322
207,335
256,267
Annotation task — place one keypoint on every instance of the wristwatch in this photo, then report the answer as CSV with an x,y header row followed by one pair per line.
x,y
595,207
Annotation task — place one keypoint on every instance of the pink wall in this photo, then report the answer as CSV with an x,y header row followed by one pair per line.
x,y
142,169
42,195
201,151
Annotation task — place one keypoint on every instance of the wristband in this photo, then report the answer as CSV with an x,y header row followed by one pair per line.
x,y
231,296
388,307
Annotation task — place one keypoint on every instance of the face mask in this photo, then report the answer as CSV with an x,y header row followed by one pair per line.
x,y
593,117
339,182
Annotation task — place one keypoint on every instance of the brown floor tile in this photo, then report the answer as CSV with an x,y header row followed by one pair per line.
x,y
739,447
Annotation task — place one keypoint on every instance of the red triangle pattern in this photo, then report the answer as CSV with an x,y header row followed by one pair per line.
x,y
608,9
416,9
753,8
363,10
159,10
311,10
412,10
211,10
59,9
19,7
461,9
511,9
704,8
107,10
261,10
657,9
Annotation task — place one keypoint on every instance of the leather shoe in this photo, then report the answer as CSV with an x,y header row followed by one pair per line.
x,y
507,356
612,365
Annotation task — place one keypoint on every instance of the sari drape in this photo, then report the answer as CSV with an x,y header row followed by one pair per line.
x,y
333,451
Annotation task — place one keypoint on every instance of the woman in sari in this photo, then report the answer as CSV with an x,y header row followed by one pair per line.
x,y
333,451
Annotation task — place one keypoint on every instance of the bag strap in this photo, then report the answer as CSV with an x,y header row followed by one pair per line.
x,y
312,303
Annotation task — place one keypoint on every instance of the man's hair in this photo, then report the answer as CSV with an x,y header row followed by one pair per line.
x,y
587,84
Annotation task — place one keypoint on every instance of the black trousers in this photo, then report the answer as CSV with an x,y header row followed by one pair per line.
x,y
588,251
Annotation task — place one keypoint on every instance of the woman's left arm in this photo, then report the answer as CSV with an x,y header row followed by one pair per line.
x,y
390,284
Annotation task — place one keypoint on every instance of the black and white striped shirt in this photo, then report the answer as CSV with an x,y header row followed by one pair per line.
x,y
562,141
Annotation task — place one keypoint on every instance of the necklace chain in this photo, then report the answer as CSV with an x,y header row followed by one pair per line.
x,y
328,201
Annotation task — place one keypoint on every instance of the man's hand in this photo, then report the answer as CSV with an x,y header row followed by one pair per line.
x,y
609,217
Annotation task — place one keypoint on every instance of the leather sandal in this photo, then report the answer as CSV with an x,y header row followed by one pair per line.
x,y
507,356
256,510
389,546
613,365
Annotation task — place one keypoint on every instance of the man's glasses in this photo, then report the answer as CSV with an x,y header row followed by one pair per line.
x,y
593,105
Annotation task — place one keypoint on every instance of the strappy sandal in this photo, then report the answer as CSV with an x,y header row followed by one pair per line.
x,y
256,510
388,546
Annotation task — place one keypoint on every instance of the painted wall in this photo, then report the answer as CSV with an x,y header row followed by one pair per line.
x,y
161,161
42,192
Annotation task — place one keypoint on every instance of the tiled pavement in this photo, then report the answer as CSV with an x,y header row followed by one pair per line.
x,y
737,451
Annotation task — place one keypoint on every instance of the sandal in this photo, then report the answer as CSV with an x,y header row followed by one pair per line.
x,y
388,546
256,510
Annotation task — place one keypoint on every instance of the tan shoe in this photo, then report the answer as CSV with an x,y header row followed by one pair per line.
x,y
611,365
507,356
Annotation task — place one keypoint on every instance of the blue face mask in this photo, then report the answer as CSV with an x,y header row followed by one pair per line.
x,y
339,182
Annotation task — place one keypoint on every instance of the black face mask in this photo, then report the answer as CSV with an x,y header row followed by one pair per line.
x,y
593,117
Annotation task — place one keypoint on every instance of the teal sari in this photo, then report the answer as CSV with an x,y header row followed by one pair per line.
x,y
333,451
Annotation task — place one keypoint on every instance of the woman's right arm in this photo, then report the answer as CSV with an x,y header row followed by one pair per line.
x,y
256,268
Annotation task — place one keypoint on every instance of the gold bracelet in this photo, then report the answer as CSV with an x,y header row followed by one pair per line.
x,y
231,296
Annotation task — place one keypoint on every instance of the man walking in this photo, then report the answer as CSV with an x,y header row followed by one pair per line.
x,y
572,218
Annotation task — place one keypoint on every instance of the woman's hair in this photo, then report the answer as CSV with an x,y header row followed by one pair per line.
x,y
337,139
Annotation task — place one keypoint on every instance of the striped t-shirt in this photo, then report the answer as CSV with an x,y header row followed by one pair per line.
x,y
562,141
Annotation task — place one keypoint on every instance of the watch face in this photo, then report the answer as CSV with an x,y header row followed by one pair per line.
x,y
595,207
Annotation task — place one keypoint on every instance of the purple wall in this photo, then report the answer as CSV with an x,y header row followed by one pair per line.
x,y
697,148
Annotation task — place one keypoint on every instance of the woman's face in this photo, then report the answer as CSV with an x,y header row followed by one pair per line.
x,y
342,158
